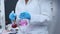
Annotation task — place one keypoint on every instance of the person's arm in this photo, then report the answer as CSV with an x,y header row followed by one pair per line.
x,y
39,18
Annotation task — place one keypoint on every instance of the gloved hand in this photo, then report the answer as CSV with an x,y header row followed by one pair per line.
x,y
12,16
25,15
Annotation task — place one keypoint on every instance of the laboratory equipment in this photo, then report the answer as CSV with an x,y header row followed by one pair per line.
x,y
23,22
12,17
14,25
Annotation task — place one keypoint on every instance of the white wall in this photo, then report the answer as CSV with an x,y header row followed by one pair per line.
x,y
2,14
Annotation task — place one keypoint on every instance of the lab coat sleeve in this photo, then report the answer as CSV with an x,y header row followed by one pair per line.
x,y
45,13
39,18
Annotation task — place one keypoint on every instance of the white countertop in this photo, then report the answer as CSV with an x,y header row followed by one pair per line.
x,y
33,29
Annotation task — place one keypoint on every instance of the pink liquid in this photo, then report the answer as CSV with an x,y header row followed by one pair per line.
x,y
23,23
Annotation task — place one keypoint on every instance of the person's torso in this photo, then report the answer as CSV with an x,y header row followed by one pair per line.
x,y
32,7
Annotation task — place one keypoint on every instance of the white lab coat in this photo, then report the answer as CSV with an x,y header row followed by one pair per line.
x,y
34,8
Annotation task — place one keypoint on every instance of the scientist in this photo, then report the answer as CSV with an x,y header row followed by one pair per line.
x,y
31,10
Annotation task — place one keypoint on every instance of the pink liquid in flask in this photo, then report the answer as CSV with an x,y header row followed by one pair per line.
x,y
23,23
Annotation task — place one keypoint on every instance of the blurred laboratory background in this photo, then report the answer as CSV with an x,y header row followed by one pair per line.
x,y
37,27
43,25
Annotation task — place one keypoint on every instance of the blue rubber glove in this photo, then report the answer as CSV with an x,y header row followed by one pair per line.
x,y
12,16
25,15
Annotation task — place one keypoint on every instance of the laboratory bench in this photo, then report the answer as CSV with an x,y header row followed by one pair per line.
x,y
33,29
